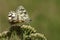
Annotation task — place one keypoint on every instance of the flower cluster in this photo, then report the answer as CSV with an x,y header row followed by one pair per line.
x,y
28,27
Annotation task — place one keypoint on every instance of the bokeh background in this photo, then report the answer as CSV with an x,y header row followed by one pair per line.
x,y
45,15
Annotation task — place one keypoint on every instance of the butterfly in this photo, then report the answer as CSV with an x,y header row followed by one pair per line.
x,y
20,15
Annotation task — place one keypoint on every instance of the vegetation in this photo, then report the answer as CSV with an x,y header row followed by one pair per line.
x,y
22,31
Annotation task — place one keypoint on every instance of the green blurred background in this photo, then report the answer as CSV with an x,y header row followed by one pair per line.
x,y
45,15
